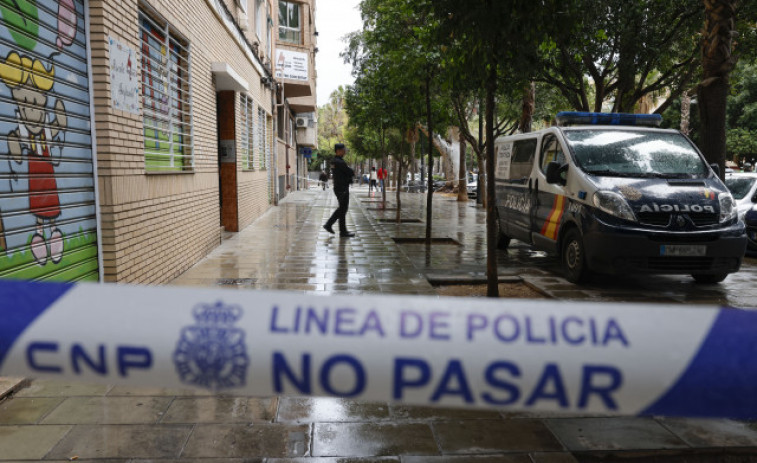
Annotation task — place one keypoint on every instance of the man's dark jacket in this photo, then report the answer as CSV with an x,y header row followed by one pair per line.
x,y
341,173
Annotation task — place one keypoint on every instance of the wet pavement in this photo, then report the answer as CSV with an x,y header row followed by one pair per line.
x,y
287,249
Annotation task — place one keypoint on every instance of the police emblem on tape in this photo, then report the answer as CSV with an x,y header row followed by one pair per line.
x,y
212,354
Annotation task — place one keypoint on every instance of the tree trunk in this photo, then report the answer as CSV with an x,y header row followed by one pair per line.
x,y
397,193
448,171
482,154
717,63
412,139
395,179
383,166
482,178
685,112
430,192
492,279
527,113
462,174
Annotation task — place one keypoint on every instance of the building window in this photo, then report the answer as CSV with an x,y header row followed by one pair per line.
x,y
268,141
289,22
166,101
246,142
262,139
260,18
269,35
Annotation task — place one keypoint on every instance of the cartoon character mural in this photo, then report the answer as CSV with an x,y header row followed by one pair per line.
x,y
34,49
29,82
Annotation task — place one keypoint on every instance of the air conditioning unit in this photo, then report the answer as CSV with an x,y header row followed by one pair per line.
x,y
302,122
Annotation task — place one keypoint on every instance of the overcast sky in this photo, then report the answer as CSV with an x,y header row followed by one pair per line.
x,y
334,19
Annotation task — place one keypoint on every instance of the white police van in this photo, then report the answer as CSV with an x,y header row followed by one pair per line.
x,y
612,193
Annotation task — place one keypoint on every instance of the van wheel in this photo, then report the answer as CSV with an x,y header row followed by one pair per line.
x,y
574,257
709,279
503,241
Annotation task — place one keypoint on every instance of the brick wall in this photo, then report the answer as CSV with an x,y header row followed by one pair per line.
x,y
155,226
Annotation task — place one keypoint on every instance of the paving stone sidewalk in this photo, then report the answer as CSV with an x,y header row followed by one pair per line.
x,y
287,249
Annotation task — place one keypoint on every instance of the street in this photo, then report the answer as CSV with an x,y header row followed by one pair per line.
x,y
287,249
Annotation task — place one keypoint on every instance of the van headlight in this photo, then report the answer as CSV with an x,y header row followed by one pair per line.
x,y
728,210
613,204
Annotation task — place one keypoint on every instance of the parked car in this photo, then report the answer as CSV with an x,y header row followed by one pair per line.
x,y
750,219
743,187
472,185
612,193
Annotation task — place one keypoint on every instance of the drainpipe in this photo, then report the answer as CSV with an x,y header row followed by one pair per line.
x,y
286,142
275,148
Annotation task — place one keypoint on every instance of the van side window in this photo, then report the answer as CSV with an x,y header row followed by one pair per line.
x,y
551,150
523,159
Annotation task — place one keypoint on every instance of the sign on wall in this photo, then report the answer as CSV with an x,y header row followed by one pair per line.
x,y
291,65
124,81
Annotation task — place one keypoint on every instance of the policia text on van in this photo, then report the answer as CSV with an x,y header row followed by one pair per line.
x,y
617,195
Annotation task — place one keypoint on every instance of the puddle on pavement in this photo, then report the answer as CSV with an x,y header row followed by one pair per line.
x,y
408,240
402,220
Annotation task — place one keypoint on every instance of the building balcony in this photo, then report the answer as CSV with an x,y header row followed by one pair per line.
x,y
304,104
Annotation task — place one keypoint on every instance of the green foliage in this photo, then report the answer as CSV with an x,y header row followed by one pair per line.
x,y
742,102
392,57
332,121
741,144
618,51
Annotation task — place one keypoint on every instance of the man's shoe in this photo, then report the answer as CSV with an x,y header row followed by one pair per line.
x,y
346,235
328,229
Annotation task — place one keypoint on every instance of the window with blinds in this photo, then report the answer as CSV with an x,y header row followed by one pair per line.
x,y
247,139
262,139
166,99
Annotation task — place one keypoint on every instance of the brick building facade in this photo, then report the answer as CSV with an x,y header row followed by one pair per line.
x,y
163,126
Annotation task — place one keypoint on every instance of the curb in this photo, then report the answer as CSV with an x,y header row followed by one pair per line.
x,y
10,385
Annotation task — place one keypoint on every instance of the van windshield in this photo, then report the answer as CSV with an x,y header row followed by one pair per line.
x,y
631,153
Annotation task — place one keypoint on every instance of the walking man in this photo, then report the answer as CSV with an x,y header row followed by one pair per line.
x,y
342,176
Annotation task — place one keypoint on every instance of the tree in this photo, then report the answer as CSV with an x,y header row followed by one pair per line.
x,y
717,63
394,61
491,49
332,119
618,51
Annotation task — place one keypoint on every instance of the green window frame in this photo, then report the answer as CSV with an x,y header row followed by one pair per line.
x,y
166,98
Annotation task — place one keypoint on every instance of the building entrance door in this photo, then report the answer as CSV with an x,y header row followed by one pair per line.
x,y
227,160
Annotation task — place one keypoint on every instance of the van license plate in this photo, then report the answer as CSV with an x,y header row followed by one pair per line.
x,y
683,250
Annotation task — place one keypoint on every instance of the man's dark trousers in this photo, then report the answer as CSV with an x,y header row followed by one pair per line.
x,y
341,213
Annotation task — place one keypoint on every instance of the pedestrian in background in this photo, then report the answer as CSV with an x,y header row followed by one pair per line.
x,y
382,177
324,179
342,176
373,180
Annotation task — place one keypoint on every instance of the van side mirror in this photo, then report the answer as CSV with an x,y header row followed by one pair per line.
x,y
715,168
554,173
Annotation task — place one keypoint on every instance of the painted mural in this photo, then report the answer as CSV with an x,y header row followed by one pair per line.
x,y
47,204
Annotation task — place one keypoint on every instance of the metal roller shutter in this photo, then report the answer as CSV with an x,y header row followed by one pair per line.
x,y
48,226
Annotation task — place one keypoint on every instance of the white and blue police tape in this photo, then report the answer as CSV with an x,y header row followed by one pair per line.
x,y
504,354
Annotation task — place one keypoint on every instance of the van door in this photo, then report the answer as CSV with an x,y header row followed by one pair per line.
x,y
515,194
550,200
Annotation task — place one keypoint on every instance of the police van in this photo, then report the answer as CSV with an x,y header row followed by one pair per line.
x,y
615,194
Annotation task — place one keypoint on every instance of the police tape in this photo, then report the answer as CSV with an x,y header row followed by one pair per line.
x,y
514,355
